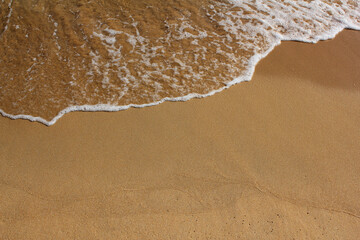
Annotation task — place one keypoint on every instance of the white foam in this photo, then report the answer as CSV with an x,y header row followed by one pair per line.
x,y
282,18
8,17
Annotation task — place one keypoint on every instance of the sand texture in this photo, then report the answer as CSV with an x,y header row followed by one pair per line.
x,y
275,158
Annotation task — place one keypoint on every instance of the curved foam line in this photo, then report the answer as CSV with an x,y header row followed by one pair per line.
x,y
245,77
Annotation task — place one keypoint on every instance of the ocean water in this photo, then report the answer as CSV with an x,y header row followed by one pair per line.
x,y
58,56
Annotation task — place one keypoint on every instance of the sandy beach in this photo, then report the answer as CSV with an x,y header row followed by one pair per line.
x,y
274,158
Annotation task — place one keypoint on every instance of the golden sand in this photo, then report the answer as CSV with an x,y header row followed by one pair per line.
x,y
276,158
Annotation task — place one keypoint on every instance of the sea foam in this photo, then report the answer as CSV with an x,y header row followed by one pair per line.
x,y
116,64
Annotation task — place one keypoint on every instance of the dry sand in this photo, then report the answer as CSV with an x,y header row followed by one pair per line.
x,y
276,158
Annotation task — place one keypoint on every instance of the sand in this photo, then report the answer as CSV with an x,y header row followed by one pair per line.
x,y
275,158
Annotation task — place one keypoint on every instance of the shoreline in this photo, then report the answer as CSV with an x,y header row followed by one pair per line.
x,y
247,76
278,152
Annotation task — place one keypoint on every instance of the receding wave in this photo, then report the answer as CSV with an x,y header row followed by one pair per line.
x,y
62,56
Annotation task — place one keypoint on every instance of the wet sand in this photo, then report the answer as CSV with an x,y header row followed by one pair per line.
x,y
275,158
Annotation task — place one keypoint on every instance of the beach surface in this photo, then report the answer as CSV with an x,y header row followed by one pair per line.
x,y
274,158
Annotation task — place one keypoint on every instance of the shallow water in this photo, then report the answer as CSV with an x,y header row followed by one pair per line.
x,y
62,56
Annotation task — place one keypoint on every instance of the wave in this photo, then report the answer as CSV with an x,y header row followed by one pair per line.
x,y
110,57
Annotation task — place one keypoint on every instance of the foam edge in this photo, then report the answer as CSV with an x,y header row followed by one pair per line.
x,y
247,76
